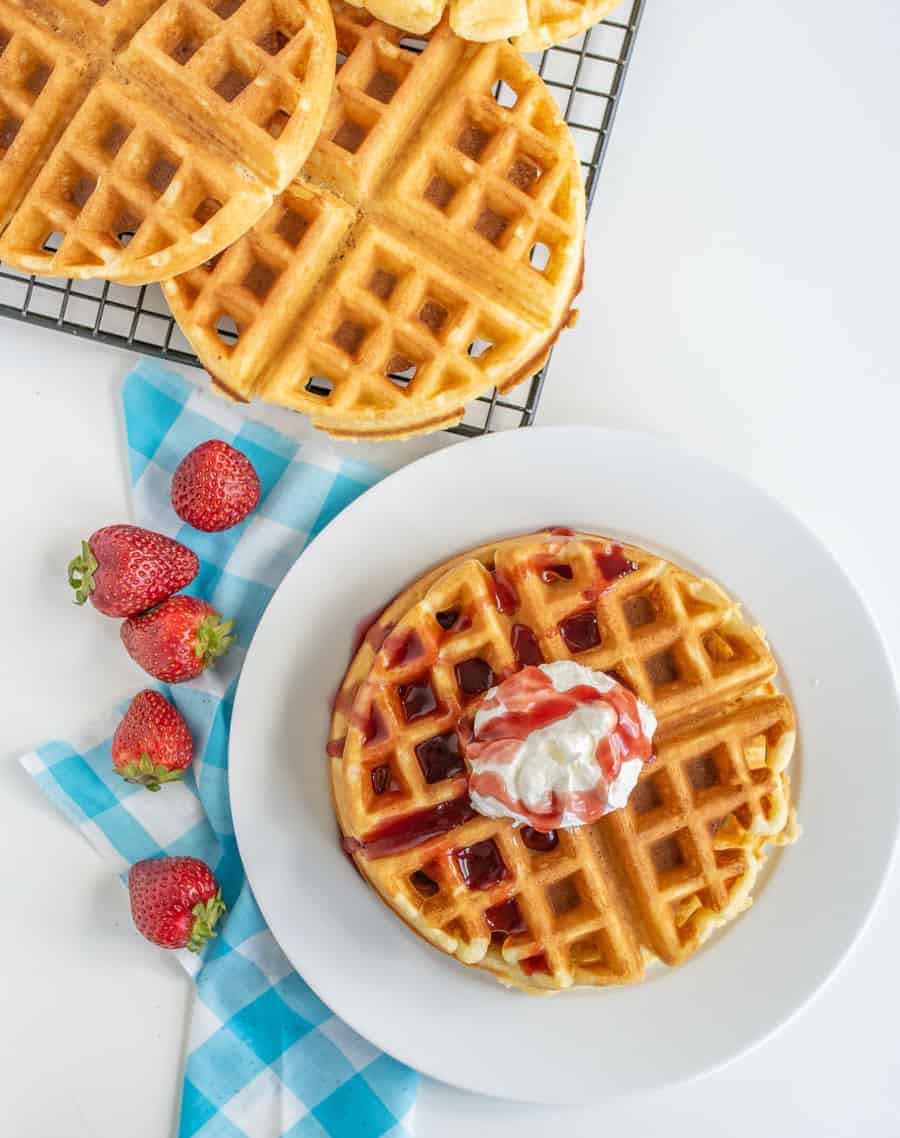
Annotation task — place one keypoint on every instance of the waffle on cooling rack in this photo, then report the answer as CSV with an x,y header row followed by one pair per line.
x,y
430,249
140,137
592,904
531,24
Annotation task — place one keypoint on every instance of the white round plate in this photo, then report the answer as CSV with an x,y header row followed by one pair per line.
x,y
581,1046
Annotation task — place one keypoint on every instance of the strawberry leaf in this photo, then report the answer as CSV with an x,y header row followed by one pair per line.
x,y
206,915
81,573
213,638
149,774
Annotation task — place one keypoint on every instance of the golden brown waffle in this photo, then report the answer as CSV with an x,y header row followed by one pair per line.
x,y
372,637
140,137
531,24
652,879
430,249
690,841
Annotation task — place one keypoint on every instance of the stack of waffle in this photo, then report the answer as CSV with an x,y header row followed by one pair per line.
x,y
369,229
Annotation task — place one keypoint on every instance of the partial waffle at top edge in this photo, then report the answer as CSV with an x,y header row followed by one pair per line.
x,y
256,75
168,199
655,877
555,21
531,24
393,280
110,129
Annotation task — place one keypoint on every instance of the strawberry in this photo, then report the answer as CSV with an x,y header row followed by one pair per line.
x,y
178,639
152,744
126,570
214,487
175,901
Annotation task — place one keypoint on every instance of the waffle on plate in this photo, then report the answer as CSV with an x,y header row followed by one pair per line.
x,y
594,904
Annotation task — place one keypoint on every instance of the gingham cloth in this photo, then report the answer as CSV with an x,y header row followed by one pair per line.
x,y
266,1058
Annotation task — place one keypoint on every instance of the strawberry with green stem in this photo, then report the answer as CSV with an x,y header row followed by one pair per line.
x,y
124,570
178,639
152,744
175,901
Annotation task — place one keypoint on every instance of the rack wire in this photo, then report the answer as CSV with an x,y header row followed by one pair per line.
x,y
586,76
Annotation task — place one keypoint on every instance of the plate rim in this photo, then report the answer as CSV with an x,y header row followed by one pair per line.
x,y
678,453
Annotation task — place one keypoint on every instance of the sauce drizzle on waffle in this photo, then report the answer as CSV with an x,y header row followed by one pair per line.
x,y
651,879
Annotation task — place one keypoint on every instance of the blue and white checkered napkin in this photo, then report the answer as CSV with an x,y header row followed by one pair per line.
x,y
266,1058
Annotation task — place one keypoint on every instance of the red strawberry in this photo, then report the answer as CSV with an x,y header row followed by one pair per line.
x,y
175,901
178,639
127,570
214,487
152,744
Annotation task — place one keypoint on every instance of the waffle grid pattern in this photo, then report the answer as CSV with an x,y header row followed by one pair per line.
x,y
586,76
120,126
561,896
426,292
688,846
689,869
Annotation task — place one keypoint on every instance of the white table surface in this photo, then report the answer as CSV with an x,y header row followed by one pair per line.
x,y
741,296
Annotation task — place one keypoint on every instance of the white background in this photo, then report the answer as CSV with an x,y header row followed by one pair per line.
x,y
741,296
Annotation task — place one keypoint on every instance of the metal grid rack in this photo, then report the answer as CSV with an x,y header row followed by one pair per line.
x,y
586,77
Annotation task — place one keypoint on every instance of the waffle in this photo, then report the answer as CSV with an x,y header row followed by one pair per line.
x,y
531,24
649,881
430,249
140,137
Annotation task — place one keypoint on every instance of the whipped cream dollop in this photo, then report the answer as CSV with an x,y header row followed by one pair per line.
x,y
557,746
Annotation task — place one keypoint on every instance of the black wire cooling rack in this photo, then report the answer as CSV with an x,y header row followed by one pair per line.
x,y
586,76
